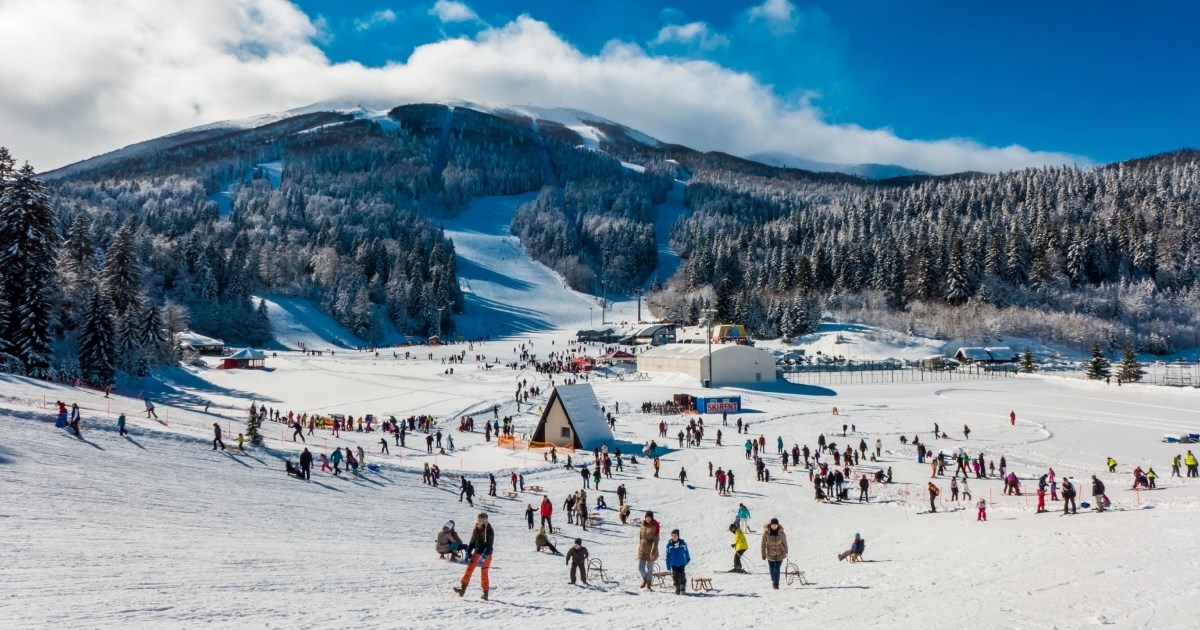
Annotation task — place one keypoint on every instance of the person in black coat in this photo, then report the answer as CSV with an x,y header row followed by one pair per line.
x,y
306,464
1098,493
577,557
479,553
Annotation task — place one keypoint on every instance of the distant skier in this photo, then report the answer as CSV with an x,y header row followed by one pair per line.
x,y
1012,418
150,409
297,431
739,546
383,446
121,425
216,436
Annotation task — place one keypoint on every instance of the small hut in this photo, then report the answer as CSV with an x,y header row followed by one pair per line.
x,y
573,417
244,359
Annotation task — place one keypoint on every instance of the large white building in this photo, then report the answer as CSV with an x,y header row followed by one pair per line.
x,y
731,363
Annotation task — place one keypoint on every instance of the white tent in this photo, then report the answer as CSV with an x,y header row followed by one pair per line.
x,y
573,417
731,363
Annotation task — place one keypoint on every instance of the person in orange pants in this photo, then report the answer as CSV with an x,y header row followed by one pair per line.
x,y
479,553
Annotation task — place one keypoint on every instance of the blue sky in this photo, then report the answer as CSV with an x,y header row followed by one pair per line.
x,y
1103,80
937,86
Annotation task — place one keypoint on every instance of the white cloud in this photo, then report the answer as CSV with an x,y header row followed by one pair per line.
x,y
81,77
378,18
692,33
452,11
780,15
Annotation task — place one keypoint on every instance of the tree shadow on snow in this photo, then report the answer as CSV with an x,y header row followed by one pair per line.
x,y
236,458
326,486
7,456
134,442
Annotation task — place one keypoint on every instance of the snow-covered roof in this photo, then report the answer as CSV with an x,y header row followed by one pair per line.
x,y
248,353
583,409
190,338
1002,353
693,350
974,353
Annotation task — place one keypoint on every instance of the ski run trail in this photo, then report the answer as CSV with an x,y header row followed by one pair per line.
x,y
157,530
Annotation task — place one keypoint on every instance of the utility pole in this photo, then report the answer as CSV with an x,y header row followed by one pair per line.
x,y
603,301
708,315
638,294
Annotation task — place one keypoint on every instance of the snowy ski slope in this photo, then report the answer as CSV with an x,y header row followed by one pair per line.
x,y
156,530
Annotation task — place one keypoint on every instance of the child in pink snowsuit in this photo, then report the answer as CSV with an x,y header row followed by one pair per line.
x,y
325,467
981,515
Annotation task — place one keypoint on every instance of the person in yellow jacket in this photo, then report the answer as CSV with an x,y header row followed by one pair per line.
x,y
1189,460
1112,465
739,547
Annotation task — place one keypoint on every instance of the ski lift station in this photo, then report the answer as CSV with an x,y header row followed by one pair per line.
x,y
732,364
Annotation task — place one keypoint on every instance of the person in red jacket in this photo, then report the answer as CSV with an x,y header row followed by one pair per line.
x,y
1012,418
546,511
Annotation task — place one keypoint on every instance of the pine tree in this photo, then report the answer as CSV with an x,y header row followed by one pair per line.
x,y
1027,362
253,426
28,273
1129,371
97,345
958,285
1098,368
153,335
122,276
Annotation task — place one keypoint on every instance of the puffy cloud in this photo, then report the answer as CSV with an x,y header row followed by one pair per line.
x,y
692,33
81,77
778,14
453,11
378,18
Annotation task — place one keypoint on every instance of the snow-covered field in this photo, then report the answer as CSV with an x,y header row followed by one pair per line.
x,y
158,530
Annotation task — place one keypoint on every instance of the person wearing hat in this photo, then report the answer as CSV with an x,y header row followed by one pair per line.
x,y
479,552
677,560
448,541
541,540
739,547
856,548
577,557
647,551
774,549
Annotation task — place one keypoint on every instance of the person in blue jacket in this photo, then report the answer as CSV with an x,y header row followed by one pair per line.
x,y
743,516
677,559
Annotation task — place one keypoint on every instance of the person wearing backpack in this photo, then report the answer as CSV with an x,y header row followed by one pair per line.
x,y
934,491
